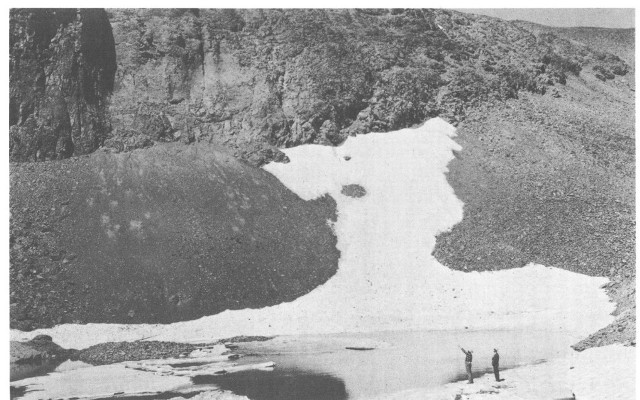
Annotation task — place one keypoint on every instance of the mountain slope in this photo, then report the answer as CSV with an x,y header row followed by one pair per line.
x,y
258,78
254,80
551,180
620,42
546,171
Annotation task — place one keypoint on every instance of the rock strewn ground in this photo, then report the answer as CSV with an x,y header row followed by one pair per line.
x,y
114,352
550,180
169,233
43,348
620,42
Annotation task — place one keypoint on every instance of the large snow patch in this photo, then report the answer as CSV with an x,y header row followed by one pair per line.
x,y
387,278
595,374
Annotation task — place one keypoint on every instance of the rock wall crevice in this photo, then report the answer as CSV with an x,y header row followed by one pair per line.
x,y
62,69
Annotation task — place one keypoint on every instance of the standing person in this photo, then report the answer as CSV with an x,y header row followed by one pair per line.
x,y
495,361
467,362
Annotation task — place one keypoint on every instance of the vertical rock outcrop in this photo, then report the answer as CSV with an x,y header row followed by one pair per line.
x,y
61,70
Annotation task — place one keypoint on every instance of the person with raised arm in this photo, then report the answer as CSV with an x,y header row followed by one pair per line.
x,y
467,361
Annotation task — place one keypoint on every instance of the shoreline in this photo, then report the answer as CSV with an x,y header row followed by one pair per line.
x,y
517,379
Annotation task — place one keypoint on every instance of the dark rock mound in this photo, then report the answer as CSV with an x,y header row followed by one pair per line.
x,y
353,190
163,234
114,352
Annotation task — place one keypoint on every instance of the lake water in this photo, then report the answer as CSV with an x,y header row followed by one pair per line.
x,y
27,370
322,366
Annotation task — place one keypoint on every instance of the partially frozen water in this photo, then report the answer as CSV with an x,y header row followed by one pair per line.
x,y
321,366
399,361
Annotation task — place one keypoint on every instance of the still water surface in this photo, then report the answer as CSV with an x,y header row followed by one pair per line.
x,y
320,367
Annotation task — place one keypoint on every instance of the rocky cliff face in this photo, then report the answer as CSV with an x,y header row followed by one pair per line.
x,y
256,80
61,72
253,79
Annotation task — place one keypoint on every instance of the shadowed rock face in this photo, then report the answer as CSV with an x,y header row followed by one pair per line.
x,y
159,235
61,69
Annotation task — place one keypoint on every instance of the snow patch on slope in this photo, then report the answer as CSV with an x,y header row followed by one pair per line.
x,y
387,278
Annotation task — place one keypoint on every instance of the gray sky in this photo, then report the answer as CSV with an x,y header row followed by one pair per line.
x,y
600,17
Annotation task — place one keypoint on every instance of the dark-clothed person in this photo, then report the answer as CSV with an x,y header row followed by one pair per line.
x,y
467,362
495,361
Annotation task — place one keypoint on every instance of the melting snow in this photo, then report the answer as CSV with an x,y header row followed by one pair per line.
x,y
387,278
595,374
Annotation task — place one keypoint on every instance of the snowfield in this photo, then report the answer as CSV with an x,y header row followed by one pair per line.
x,y
387,278
595,374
